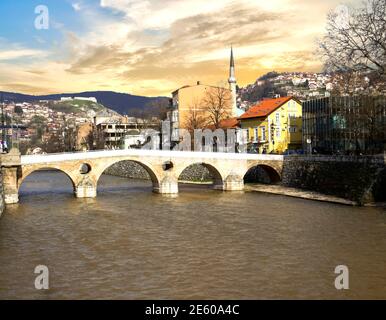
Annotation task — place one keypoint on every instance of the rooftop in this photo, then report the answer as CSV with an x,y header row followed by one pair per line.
x,y
265,107
231,123
198,84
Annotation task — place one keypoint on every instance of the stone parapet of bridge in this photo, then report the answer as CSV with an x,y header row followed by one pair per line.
x,y
164,168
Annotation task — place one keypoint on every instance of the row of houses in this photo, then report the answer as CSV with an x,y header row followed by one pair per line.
x,y
346,125
343,125
330,125
271,126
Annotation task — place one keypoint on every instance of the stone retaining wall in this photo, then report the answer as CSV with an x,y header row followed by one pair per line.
x,y
362,180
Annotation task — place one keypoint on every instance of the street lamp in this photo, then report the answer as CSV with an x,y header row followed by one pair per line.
x,y
309,143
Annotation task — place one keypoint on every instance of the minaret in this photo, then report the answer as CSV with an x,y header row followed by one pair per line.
x,y
232,86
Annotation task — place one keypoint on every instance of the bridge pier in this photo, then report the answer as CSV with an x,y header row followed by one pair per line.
x,y
167,186
10,164
86,188
85,192
233,183
10,187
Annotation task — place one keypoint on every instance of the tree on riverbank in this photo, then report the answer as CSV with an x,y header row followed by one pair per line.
x,y
356,39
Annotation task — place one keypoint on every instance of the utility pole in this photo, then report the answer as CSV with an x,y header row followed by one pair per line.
x,y
2,123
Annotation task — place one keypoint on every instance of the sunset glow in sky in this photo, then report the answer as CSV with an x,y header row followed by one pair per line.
x,y
152,47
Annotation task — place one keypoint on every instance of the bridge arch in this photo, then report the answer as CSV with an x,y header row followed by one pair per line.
x,y
151,171
260,171
24,174
217,177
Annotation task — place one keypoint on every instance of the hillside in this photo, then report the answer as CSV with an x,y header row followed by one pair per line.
x,y
122,103
302,85
76,106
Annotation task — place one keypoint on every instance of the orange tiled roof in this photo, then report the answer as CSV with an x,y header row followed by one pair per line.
x,y
227,124
265,108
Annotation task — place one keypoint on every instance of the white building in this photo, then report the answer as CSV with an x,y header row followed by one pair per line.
x,y
144,139
92,99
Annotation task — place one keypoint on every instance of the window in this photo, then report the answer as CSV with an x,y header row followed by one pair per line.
x,y
256,134
278,132
278,118
278,127
292,129
263,134
175,134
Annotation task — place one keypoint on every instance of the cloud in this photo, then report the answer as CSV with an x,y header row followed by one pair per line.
x,y
154,46
189,38
26,88
99,58
160,14
14,54
197,47
76,6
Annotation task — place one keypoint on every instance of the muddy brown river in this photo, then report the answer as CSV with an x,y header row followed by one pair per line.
x,y
130,243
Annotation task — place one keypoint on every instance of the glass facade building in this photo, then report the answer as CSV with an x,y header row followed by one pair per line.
x,y
345,125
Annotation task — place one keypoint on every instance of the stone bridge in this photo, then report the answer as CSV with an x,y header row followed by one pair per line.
x,y
164,167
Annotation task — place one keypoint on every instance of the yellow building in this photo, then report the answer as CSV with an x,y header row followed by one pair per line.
x,y
274,125
197,98
198,103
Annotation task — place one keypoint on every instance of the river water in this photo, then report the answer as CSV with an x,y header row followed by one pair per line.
x,y
132,244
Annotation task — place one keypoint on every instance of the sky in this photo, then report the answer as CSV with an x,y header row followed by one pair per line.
x,y
152,47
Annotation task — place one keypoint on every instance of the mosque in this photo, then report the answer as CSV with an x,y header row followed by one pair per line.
x,y
191,101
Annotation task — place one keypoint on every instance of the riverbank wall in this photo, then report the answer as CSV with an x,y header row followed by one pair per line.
x,y
359,179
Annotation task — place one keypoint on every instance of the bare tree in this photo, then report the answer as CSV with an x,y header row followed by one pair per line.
x,y
159,108
69,139
152,114
99,139
217,103
89,141
54,144
356,39
351,83
195,117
